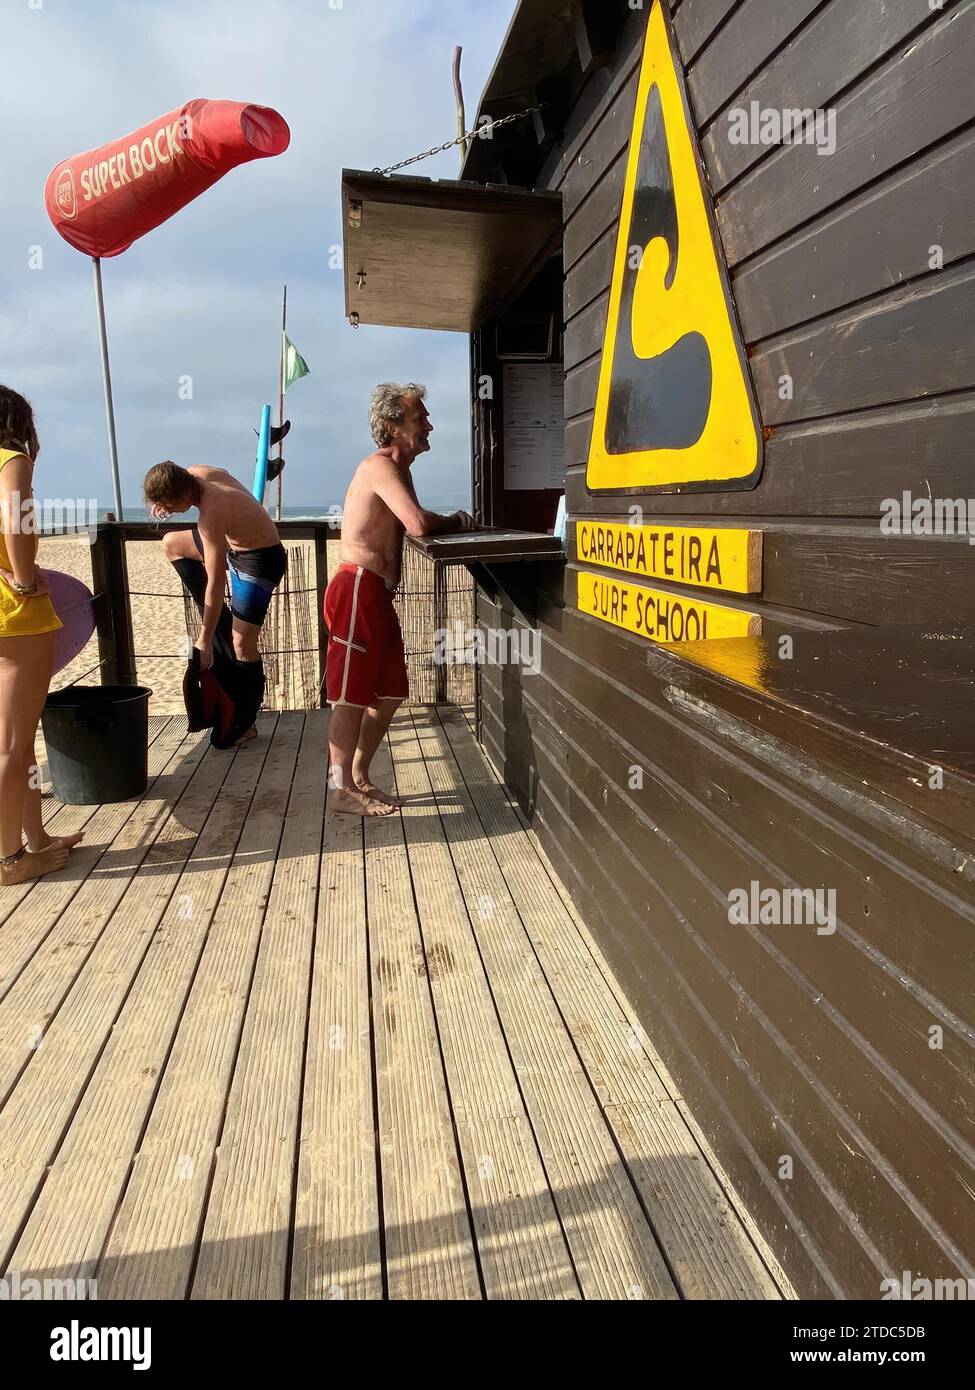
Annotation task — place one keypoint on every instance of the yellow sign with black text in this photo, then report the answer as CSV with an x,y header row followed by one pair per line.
x,y
675,406
714,557
661,616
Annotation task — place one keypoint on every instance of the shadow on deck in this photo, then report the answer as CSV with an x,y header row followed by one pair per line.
x,y
252,1050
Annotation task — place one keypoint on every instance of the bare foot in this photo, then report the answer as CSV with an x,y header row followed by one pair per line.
x,y
377,794
353,803
29,866
247,738
55,842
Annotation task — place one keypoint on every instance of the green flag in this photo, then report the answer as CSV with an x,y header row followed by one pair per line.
x,y
295,366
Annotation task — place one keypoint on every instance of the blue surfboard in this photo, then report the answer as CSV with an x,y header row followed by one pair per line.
x,y
263,448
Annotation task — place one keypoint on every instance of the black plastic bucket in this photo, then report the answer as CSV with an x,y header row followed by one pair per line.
x,y
97,740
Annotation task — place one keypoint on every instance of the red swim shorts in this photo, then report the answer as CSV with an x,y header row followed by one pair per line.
x,y
366,659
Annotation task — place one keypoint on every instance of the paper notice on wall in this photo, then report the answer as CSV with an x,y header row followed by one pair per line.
x,y
534,426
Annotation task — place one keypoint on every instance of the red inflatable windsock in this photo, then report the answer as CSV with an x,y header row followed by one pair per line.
x,y
104,200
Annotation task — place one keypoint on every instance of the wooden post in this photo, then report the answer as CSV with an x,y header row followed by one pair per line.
x,y
439,623
321,582
459,99
113,612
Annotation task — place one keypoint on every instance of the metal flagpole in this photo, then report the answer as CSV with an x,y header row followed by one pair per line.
x,y
107,378
282,664
284,338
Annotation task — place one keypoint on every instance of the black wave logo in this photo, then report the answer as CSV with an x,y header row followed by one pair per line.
x,y
655,402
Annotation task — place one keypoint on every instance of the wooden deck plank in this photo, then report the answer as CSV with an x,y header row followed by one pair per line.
x,y
67,820
71,1216
28,924
36,1114
31,1004
337,1247
639,1040
429,1246
522,1249
151,1248
614,1247
706,1245
397,1068
246,1235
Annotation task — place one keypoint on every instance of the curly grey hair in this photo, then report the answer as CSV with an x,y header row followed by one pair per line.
x,y
388,406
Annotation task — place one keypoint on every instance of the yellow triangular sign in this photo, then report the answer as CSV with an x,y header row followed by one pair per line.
x,y
674,406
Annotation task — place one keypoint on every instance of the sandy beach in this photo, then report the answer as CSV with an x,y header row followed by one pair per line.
x,y
159,620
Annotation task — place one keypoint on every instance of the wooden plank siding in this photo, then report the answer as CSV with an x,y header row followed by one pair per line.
x,y
822,1041
809,276
919,96
822,60
783,1044
813,275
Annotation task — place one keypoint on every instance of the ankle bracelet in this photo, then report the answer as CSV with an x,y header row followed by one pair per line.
x,y
12,859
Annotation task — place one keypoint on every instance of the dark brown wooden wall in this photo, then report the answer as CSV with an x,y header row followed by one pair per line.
x,y
784,1043
789,1043
829,266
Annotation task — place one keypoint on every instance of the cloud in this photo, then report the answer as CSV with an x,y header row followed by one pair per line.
x,y
362,84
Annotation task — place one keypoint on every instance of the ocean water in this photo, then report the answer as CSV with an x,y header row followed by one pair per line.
x,y
308,511
311,511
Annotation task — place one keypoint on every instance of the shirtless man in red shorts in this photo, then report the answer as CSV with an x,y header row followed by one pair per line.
x,y
366,673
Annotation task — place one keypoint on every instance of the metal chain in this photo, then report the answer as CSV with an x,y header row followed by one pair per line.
x,y
471,135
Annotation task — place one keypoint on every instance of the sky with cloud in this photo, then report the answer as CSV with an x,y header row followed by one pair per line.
x,y
362,83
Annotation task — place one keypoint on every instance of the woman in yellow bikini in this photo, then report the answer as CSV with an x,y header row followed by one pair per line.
x,y
28,623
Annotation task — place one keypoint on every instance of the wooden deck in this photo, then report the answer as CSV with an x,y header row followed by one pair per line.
x,y
252,1050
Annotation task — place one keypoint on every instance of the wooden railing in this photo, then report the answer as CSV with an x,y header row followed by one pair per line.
x,y
117,654
113,606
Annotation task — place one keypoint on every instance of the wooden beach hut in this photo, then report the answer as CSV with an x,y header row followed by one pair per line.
x,y
658,986
717,281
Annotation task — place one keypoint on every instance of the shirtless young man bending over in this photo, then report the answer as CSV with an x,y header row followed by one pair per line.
x,y
235,532
366,675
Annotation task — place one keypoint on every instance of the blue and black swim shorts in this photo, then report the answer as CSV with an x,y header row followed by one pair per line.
x,y
254,576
